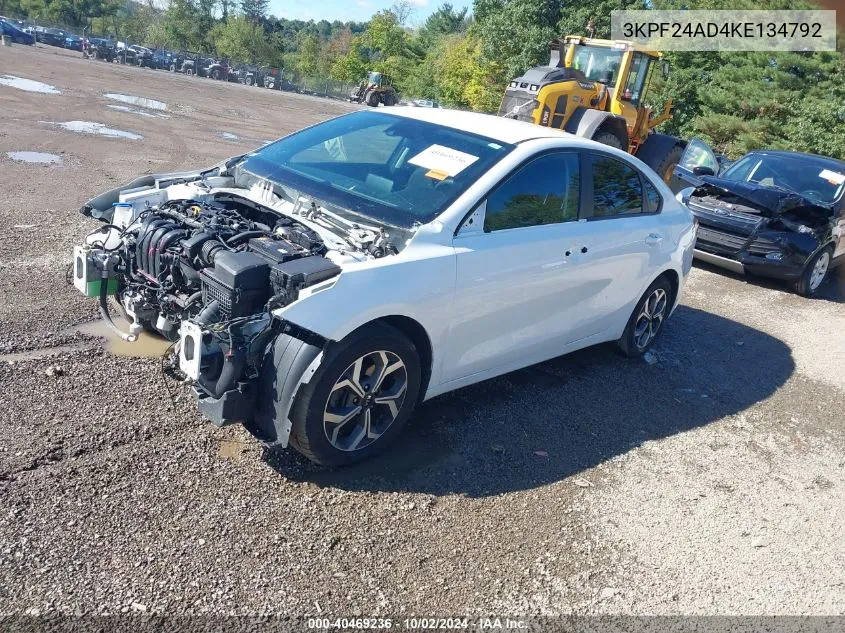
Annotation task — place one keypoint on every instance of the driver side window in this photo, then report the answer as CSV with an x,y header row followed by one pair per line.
x,y
544,191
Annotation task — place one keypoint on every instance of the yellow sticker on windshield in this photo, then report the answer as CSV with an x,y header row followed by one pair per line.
x,y
443,159
437,175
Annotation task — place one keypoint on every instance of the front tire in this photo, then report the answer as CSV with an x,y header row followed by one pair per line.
x,y
815,273
609,138
648,318
360,398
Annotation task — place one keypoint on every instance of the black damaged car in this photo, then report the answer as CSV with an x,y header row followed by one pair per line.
x,y
771,213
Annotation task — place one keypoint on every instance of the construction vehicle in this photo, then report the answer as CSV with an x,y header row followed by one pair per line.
x,y
596,89
376,88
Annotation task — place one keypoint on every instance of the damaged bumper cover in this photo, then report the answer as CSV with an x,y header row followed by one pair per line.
x,y
747,245
252,385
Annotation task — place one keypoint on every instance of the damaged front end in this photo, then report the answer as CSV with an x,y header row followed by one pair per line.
x,y
208,264
756,229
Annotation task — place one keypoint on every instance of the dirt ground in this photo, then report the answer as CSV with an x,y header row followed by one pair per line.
x,y
709,482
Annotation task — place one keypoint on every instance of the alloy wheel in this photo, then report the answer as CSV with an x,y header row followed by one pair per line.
x,y
819,270
365,400
650,318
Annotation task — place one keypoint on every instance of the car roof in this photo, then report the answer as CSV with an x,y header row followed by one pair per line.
x,y
493,127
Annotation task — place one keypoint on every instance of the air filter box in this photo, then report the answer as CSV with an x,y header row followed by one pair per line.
x,y
239,282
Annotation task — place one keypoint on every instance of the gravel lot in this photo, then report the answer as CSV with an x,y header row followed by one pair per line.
x,y
709,482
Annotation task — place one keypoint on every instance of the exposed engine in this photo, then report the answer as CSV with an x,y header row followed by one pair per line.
x,y
206,274
214,261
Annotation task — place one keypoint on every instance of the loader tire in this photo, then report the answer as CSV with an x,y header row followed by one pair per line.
x,y
667,164
372,99
608,138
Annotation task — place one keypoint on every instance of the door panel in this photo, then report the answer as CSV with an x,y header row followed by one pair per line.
x,y
517,296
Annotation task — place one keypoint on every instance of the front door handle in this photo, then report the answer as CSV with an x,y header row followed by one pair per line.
x,y
654,239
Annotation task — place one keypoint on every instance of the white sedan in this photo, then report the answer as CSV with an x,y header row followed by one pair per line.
x,y
320,287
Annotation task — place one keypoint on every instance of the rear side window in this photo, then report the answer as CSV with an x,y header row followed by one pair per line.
x,y
616,188
545,191
654,202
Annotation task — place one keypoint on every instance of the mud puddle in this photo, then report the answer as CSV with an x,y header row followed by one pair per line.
x,y
89,127
131,110
147,346
28,85
141,102
231,450
40,158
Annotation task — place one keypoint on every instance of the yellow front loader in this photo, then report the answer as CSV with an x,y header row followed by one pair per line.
x,y
596,89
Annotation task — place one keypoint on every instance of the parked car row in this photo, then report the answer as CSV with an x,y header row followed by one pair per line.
x,y
15,31
189,63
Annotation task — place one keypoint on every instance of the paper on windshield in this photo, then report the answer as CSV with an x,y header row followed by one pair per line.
x,y
833,177
443,160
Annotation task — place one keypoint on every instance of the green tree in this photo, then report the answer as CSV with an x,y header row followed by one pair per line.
x,y
238,38
181,25
255,10
464,78
578,16
445,21
515,34
353,65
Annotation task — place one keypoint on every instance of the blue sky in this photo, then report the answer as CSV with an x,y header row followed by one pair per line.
x,y
358,10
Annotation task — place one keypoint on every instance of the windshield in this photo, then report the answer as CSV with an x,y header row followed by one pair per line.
x,y
396,170
597,64
813,177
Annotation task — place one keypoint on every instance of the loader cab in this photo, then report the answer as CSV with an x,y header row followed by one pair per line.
x,y
599,64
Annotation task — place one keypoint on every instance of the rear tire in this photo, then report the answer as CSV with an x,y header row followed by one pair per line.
x,y
815,273
647,319
346,413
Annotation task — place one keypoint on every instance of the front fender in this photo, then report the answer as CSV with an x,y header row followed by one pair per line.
x,y
419,284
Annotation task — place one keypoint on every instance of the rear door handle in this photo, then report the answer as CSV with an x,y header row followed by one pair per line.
x,y
654,239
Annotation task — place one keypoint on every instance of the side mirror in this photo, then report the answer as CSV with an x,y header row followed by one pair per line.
x,y
665,68
703,170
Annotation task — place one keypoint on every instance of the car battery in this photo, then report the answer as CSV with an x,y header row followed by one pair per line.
x,y
299,273
276,251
